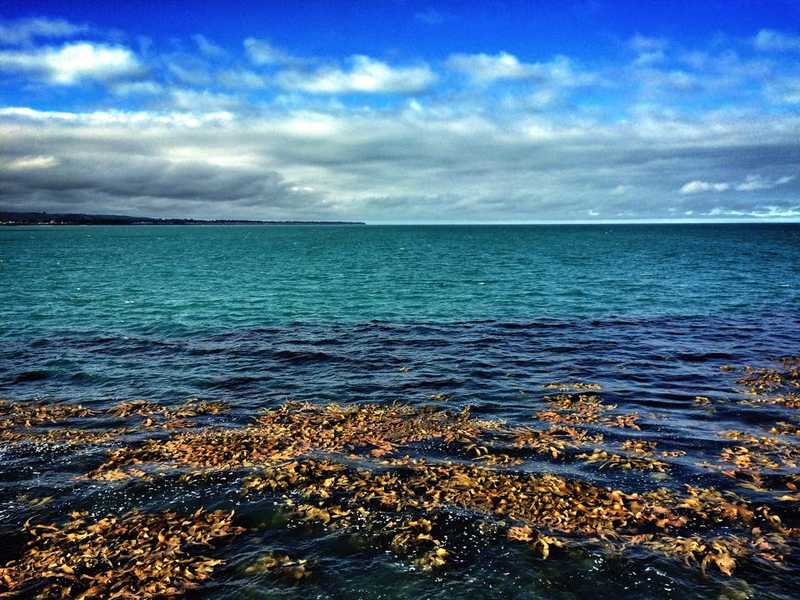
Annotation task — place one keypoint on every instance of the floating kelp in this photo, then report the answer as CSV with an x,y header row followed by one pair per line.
x,y
293,430
357,469
30,414
577,387
768,379
215,448
138,555
488,456
607,459
62,436
554,440
379,428
44,423
763,463
280,565
545,510
141,408
540,544
167,417
784,428
571,410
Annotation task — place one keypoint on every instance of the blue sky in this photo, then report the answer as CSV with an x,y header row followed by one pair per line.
x,y
403,111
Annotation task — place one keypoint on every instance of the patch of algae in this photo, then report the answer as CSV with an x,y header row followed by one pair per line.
x,y
137,555
351,468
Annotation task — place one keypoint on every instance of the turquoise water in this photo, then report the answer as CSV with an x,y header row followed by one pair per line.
x,y
173,279
481,316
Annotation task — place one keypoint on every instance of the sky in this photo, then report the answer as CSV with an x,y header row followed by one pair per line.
x,y
401,111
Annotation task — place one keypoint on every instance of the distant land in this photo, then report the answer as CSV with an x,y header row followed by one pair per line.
x,y
44,218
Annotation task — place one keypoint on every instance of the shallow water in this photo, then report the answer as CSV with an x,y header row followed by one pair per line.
x,y
455,316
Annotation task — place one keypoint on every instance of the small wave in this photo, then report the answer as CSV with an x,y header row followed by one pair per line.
x,y
28,376
299,357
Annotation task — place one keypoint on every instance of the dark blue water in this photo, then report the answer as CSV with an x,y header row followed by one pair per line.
x,y
483,316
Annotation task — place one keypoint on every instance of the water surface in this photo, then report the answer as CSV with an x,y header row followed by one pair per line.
x,y
458,316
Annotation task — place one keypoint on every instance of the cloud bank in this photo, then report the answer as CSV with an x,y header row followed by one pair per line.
x,y
261,131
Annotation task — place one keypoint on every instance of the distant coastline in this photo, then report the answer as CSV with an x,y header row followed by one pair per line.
x,y
44,218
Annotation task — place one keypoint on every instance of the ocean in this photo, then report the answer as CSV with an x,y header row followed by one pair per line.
x,y
670,346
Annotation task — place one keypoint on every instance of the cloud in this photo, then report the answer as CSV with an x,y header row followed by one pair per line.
x,y
366,75
136,88
784,91
25,163
207,47
242,79
752,183
262,52
620,190
159,170
73,62
24,31
725,72
674,79
761,212
203,101
267,135
485,69
433,162
112,118
697,186
769,40
755,183
189,70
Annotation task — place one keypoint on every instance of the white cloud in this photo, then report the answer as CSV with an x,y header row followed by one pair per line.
x,y
754,183
697,186
751,183
242,78
116,118
765,212
620,190
373,164
190,72
784,91
532,150
674,79
31,162
366,75
25,31
484,69
73,62
769,40
207,47
261,52
204,101
136,88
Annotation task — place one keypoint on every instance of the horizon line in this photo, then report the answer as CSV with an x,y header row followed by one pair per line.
x,y
600,222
